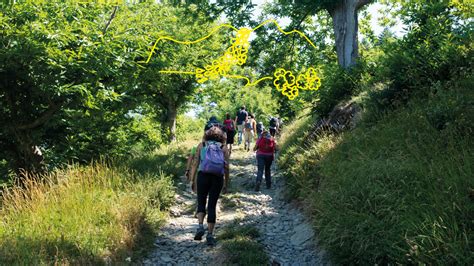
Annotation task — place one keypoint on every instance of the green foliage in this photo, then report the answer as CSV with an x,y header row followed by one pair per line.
x,y
451,106
60,86
169,159
170,92
228,96
48,69
77,91
189,128
92,214
337,84
436,49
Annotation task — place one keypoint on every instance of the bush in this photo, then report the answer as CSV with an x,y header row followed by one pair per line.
x,y
80,215
437,49
337,84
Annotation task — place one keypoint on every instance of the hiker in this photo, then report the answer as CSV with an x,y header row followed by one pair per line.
x,y
265,147
250,128
192,154
213,122
239,121
274,126
230,128
260,129
212,166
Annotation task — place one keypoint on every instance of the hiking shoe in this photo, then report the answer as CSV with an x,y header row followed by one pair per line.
x,y
257,186
210,240
199,234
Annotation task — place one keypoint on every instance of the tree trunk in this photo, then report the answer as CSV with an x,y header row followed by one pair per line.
x,y
28,158
345,24
171,119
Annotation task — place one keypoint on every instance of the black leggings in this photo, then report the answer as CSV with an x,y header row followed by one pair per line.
x,y
208,184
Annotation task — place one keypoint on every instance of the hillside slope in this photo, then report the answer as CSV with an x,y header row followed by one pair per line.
x,y
397,188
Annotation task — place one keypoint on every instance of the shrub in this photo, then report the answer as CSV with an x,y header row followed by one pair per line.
x,y
437,49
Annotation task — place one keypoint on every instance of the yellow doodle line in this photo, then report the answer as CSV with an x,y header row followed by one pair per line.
x,y
236,54
189,42
285,32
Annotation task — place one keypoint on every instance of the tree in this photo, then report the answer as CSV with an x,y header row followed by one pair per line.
x,y
344,15
170,92
57,63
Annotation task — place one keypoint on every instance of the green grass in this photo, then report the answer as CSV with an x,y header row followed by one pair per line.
x,y
91,215
81,215
240,245
169,159
398,190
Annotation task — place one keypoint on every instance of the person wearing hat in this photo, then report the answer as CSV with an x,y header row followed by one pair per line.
x,y
213,122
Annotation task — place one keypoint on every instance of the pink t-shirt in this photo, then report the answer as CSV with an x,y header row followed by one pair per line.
x,y
265,146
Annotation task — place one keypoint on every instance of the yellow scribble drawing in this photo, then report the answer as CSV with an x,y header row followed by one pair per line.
x,y
236,55
289,86
216,29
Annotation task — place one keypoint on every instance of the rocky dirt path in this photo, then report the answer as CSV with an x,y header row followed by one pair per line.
x,y
286,235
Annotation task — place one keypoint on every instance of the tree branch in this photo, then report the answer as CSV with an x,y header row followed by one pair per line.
x,y
361,3
53,107
110,20
294,35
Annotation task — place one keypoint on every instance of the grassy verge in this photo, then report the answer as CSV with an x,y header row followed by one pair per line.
x,y
170,159
240,245
399,190
92,214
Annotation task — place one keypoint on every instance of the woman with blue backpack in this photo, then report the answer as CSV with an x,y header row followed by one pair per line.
x,y
212,166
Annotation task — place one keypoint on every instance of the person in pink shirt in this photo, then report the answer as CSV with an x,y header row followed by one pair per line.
x,y
265,147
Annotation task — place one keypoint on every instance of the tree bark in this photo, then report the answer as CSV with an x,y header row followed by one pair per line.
x,y
345,24
171,119
28,157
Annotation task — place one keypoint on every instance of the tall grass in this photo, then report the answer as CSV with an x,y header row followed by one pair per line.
x,y
80,215
396,191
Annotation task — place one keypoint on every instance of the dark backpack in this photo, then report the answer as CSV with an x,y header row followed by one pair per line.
x,y
212,159
241,115
229,125
248,124
273,122
259,128
266,145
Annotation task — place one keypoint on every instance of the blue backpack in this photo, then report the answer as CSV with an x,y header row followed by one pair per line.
x,y
212,158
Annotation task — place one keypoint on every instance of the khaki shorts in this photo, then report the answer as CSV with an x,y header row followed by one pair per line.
x,y
248,135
